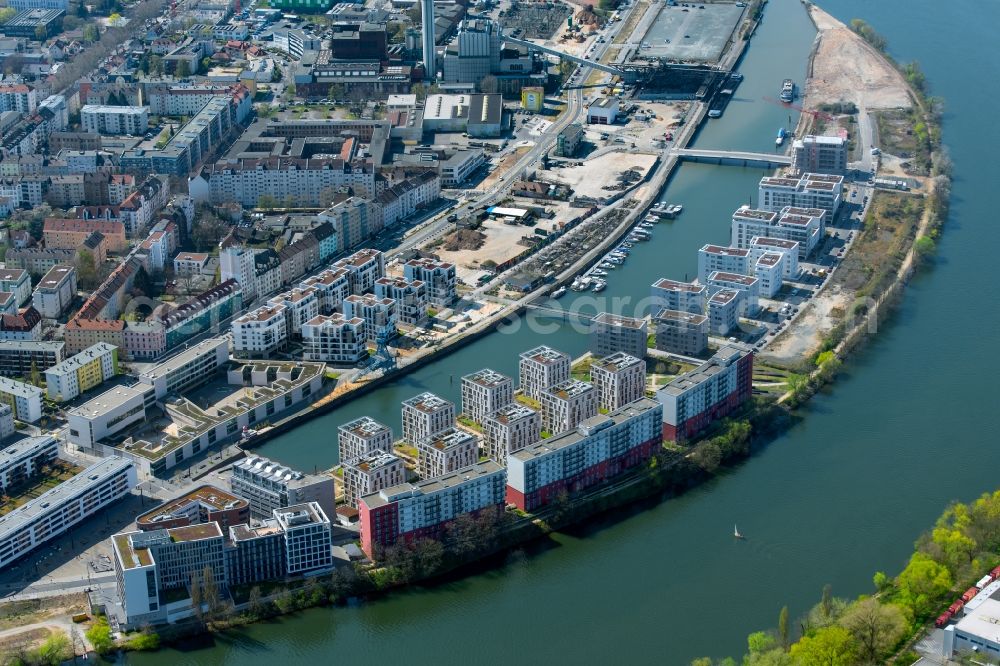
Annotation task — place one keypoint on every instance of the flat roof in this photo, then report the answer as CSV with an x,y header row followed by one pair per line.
x,y
514,411
744,280
374,461
365,427
775,242
55,276
73,363
103,403
620,320
448,439
54,499
487,378
545,355
674,285
571,388
14,387
984,621
428,402
208,496
29,446
723,297
187,356
720,362
428,486
617,361
681,317
724,251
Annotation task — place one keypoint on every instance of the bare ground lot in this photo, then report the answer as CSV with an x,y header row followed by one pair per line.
x,y
847,69
587,180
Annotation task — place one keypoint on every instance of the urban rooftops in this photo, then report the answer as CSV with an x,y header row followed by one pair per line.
x,y
487,378
619,320
428,486
509,413
427,402
449,439
205,497
725,251
616,362
365,427
570,388
682,317
674,285
544,354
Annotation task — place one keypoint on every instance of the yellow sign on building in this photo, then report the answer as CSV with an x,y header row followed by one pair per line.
x,y
533,98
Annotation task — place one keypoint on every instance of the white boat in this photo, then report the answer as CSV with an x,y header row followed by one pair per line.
x,y
623,250
607,265
736,533
676,209
578,285
626,244
646,225
598,272
599,285
614,260
558,292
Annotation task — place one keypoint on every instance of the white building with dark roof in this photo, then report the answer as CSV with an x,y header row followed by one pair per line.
x,y
484,392
425,415
541,368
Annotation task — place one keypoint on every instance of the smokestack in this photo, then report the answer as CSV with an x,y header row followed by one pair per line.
x,y
427,37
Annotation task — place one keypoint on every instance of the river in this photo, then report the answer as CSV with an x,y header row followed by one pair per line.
x,y
840,496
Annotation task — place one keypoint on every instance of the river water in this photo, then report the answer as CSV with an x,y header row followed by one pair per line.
x,y
843,494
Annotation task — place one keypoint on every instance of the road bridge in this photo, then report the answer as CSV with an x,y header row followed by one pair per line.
x,y
734,158
583,62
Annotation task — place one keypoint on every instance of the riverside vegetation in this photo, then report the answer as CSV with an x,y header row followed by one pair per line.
x,y
963,545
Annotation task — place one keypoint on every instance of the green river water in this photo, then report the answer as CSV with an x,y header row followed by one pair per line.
x,y
906,429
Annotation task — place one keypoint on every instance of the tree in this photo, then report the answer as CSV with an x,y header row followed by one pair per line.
x,y
86,268
36,377
99,636
6,14
209,229
183,69
925,246
90,33
876,627
783,627
882,581
761,641
254,604
197,601
155,65
41,34
922,582
267,202
205,65
55,650
829,646
336,92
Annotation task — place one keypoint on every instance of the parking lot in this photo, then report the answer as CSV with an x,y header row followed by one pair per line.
x,y
691,32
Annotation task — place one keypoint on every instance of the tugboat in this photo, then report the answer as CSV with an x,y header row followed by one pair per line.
x,y
787,90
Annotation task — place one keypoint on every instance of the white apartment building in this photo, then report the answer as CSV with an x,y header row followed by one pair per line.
x,y
111,412
188,370
370,474
334,339
16,281
332,287
270,486
308,538
55,292
541,368
445,452
811,190
510,429
261,332
6,422
789,251
680,332
819,154
18,97
379,314
410,297
20,461
799,225
425,415
364,268
566,404
439,278
610,333
363,437
24,399
724,311
81,372
484,392
55,511
712,258
618,379
300,305
403,199
768,270
680,296
748,288
307,182
237,263
100,119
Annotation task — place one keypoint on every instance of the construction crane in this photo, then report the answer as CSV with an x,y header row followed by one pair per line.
x,y
788,105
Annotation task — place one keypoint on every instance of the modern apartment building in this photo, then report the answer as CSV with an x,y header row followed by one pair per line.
x,y
789,251
204,504
445,452
261,332
724,311
611,333
370,474
7,428
438,277
19,357
680,332
308,538
509,429
24,459
484,392
810,190
596,450
819,154
712,258
107,414
24,399
268,486
619,379
55,292
768,269
332,287
748,288
81,372
335,339
425,415
566,404
379,315
18,282
363,437
680,296
800,225
364,268
709,392
541,368
422,510
55,511
132,120
307,182
410,297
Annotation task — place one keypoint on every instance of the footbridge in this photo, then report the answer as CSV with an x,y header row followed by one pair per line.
x,y
734,158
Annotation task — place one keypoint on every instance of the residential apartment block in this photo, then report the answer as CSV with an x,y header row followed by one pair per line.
x,y
566,404
445,452
19,357
810,190
712,258
425,415
261,332
422,510
335,339
709,392
611,333
509,429
680,296
820,154
484,392
132,120
768,269
363,437
204,504
55,292
24,399
598,449
410,297
724,311
680,332
81,372
541,368
378,314
438,278
21,461
18,282
370,474
802,226
618,379
268,486
789,251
